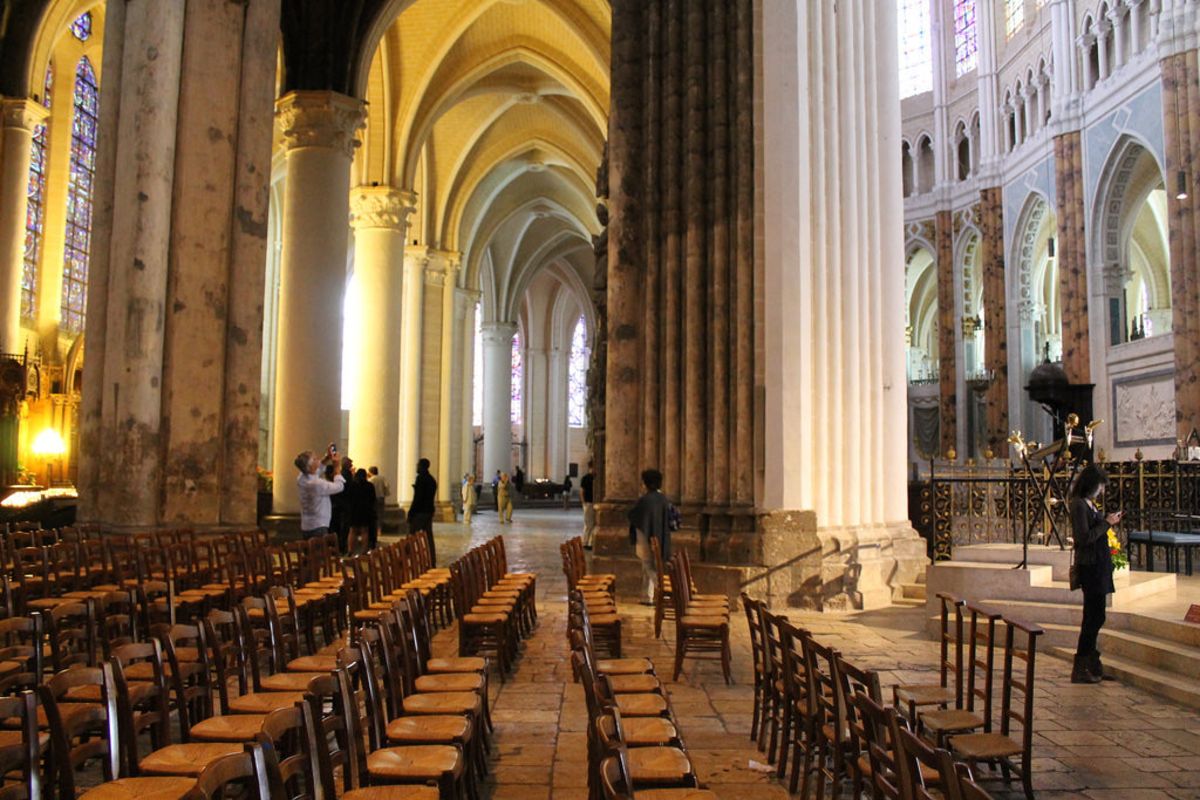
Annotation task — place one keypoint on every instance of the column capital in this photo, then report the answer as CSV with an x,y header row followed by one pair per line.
x,y
381,207
498,332
22,113
320,119
441,267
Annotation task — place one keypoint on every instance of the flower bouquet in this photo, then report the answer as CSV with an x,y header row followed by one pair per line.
x,y
1119,558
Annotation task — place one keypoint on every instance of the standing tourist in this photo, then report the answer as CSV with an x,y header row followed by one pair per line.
x,y
589,510
360,513
566,491
1094,567
420,513
468,497
382,492
650,518
315,491
504,498
496,490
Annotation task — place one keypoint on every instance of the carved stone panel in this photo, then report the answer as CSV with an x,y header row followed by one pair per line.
x,y
1144,407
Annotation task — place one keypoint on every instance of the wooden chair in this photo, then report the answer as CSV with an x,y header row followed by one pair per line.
x,y
881,728
778,704
22,653
650,767
142,700
21,749
829,722
980,683
909,698
852,680
696,633
616,785
790,705
80,731
1013,754
751,608
923,761
286,758
480,630
71,634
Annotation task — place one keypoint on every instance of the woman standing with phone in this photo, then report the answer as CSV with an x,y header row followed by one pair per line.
x,y
1093,562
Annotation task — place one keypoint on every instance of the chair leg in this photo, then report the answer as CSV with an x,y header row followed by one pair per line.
x,y
679,639
799,748
726,666
756,708
786,732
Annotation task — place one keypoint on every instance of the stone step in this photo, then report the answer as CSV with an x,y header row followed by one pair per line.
x,y
912,591
1038,612
1151,651
1183,690
1039,554
978,580
1184,633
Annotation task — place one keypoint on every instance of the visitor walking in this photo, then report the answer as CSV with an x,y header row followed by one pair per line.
x,y
420,512
567,485
496,490
504,498
315,491
1094,567
360,510
382,492
589,510
518,479
650,518
468,497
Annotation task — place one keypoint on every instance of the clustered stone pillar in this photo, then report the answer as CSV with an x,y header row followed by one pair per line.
x,y
19,117
415,259
318,130
947,374
680,360
170,421
995,325
1181,129
379,216
1071,254
441,270
497,393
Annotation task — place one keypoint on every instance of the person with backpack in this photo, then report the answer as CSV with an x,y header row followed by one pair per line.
x,y
650,518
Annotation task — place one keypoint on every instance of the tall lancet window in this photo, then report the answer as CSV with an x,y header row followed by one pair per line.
x,y
966,37
35,216
76,253
916,57
518,377
577,369
1014,16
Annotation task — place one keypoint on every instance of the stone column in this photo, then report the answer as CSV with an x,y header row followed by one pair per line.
x,y
947,316
415,259
497,398
379,216
441,278
1104,30
995,325
318,130
987,81
467,300
1071,253
1117,18
179,236
557,420
19,117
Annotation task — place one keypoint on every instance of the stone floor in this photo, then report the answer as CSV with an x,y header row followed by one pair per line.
x,y
1100,742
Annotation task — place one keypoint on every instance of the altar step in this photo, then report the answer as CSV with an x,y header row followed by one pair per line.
x,y
1181,688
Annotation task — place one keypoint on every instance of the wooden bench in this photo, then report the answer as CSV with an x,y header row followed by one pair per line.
x,y
1172,542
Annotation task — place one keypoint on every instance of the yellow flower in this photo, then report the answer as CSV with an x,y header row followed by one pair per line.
x,y
1114,543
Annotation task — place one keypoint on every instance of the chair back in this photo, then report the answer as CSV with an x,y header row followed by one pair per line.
x,y
982,660
236,768
288,746
880,728
22,639
22,759
917,754
1016,702
951,636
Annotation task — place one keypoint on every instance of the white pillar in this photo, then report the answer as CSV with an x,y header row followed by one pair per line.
x,y
559,420
468,300
318,131
19,117
1118,31
459,386
447,481
1104,29
415,259
379,217
991,122
833,224
538,424
497,397
942,52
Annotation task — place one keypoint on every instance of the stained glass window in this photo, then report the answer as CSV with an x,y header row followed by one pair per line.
x,y
81,28
966,37
577,376
916,59
79,197
1014,16
518,376
477,387
35,215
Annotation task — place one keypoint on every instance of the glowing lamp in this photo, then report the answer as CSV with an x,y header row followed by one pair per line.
x,y
48,443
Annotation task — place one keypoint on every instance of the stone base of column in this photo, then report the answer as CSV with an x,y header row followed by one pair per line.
x,y
444,512
786,561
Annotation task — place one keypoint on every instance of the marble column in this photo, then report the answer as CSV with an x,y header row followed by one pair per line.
x,y
318,129
497,398
1071,254
415,260
379,216
1181,130
995,325
441,278
176,276
947,327
19,117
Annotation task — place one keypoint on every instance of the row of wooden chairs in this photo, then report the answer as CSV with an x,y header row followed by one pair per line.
x,y
595,591
634,742
701,620
496,608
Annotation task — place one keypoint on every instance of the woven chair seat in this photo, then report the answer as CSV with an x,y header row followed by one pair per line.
x,y
697,621
925,695
677,794
439,703
985,746
642,683
289,681
482,618
428,728
161,788
641,731
450,682
624,666
658,765
16,739
229,728
392,793
428,761
263,702
951,720
187,759
317,663
641,705
456,664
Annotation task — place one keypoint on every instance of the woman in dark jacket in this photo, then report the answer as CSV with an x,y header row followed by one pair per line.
x,y
1093,563
360,507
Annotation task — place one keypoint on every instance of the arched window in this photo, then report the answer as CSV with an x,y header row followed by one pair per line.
x,y
477,380
81,28
581,353
35,216
1014,16
966,37
916,59
518,377
79,197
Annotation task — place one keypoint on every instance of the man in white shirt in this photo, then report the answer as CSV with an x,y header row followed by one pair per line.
x,y
315,492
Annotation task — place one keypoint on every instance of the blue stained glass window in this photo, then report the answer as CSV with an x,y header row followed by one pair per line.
x,y
84,125
916,55
1014,16
966,37
518,376
577,376
35,215
81,28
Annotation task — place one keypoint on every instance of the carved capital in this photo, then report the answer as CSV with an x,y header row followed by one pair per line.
x,y
441,267
320,119
500,333
381,207
22,113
